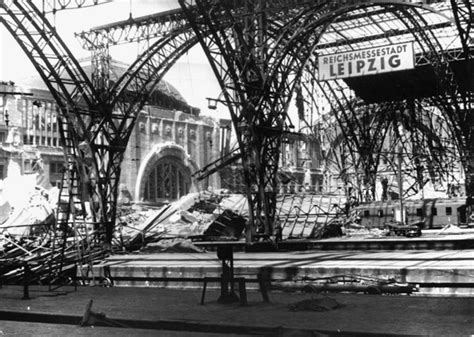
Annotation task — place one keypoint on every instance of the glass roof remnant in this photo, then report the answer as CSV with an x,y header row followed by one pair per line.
x,y
376,26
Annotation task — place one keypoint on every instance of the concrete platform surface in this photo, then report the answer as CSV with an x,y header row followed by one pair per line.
x,y
453,270
168,312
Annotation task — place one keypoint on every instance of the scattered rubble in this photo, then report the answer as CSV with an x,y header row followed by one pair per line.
x,y
345,283
196,215
450,229
171,246
315,304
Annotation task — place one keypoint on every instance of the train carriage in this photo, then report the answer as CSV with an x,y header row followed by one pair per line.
x,y
436,212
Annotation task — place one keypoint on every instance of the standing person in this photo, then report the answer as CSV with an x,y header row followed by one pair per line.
x,y
384,189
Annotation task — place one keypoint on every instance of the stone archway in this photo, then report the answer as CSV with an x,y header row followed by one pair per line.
x,y
165,174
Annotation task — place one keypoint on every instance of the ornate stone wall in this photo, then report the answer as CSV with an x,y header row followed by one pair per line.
x,y
165,149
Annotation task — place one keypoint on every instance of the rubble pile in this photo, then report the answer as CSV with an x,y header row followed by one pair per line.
x,y
351,227
29,244
194,216
26,230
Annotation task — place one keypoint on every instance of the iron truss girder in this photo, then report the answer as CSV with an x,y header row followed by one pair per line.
x,y
434,55
243,13
53,6
163,23
363,131
134,30
99,39
375,23
57,67
375,37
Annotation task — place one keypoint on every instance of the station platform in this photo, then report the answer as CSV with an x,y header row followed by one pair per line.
x,y
177,312
150,294
432,272
431,239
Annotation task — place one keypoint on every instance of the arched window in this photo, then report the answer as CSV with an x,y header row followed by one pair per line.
x,y
169,179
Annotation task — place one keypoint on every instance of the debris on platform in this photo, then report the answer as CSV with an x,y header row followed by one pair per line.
x,y
27,232
345,283
27,216
450,229
203,214
364,232
171,246
227,225
315,304
222,215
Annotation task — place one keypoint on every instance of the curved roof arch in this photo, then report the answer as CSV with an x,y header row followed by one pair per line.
x,y
374,24
430,29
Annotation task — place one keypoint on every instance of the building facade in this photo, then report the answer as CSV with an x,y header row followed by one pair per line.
x,y
166,146
165,149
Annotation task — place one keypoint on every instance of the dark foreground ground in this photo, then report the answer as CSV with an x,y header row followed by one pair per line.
x,y
172,312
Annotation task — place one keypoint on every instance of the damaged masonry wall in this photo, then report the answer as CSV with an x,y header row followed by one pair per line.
x,y
29,135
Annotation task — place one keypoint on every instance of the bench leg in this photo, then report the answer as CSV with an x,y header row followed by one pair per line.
x,y
263,285
203,292
242,292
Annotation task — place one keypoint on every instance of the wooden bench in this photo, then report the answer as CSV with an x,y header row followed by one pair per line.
x,y
226,296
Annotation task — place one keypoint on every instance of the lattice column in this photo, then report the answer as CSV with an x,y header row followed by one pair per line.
x,y
453,100
464,18
364,130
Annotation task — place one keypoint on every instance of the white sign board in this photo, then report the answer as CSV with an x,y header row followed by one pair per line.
x,y
369,61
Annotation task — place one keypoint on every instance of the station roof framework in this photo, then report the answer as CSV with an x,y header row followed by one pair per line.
x,y
368,24
376,26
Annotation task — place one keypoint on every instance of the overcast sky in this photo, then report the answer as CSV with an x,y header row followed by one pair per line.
x,y
192,75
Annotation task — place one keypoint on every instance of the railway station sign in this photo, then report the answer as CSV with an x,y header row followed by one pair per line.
x,y
370,61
